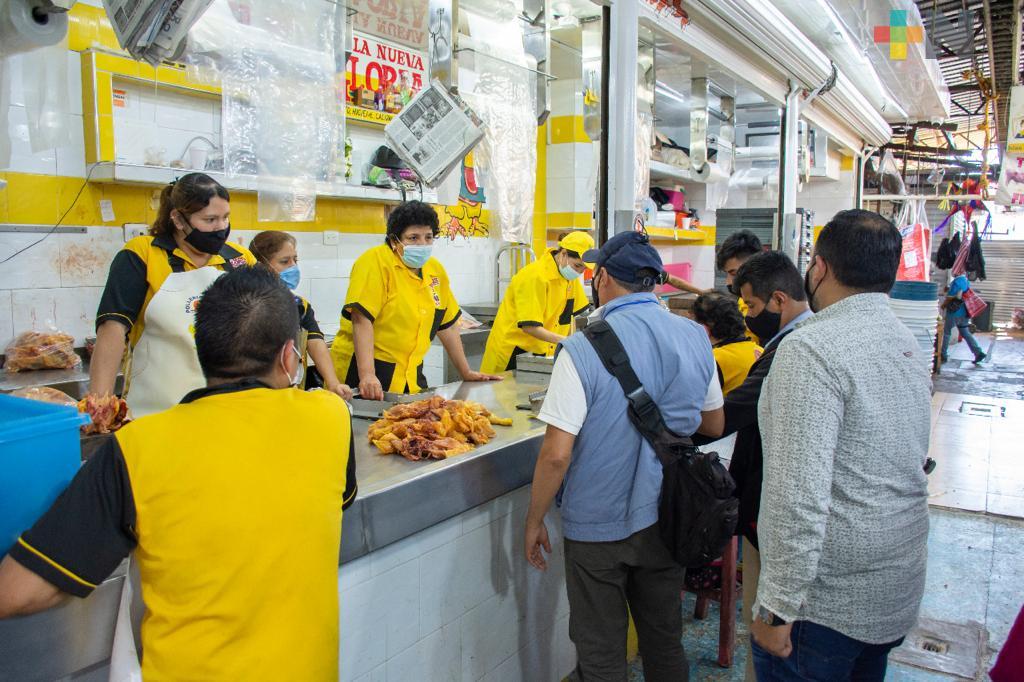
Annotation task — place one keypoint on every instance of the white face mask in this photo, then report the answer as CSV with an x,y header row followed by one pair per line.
x,y
297,379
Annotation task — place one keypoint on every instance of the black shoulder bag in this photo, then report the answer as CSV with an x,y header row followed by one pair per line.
x,y
697,513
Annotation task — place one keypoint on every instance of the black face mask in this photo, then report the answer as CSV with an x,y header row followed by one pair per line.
x,y
765,324
808,291
207,242
733,290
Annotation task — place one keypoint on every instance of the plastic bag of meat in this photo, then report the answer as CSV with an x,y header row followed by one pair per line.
x,y
46,394
41,350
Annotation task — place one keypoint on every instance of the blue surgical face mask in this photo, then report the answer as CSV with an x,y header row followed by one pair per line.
x,y
416,255
568,272
290,276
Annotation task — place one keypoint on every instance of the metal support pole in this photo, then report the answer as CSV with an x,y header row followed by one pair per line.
x,y
786,238
622,96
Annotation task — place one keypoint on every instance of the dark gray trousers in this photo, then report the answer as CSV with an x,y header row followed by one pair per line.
x,y
607,582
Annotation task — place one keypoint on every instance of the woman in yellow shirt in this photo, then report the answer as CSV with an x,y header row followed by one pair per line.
x,y
734,352
150,298
398,299
537,311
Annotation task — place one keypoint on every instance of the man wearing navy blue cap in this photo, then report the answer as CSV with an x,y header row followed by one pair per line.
x,y
606,477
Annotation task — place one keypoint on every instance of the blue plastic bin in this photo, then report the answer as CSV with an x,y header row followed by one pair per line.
x,y
39,455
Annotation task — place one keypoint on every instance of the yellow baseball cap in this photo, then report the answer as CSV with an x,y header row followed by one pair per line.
x,y
580,242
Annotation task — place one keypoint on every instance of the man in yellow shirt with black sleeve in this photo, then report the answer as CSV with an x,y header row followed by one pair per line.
x,y
538,308
398,300
230,502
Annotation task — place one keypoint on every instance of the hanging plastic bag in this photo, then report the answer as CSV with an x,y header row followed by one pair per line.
x,y
914,262
889,175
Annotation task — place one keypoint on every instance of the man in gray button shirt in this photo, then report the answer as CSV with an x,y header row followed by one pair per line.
x,y
845,420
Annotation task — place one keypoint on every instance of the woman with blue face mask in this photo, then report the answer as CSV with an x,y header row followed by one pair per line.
x,y
276,250
398,299
539,305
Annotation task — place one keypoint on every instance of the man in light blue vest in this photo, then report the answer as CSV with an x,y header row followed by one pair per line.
x,y
606,476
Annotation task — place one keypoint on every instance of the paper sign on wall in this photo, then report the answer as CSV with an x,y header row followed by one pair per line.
x,y
381,78
120,98
401,21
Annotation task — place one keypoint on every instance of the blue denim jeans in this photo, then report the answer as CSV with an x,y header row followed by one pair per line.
x,y
963,324
820,653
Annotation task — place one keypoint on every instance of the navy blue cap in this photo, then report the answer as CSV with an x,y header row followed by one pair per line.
x,y
624,255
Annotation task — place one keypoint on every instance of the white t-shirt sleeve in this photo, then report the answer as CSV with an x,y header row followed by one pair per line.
x,y
714,398
565,405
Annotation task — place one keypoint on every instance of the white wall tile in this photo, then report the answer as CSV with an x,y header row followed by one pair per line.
x,y
75,82
72,311
560,195
327,296
85,258
411,548
71,159
182,112
363,641
6,319
23,159
438,656
36,268
561,161
490,634
353,573
398,595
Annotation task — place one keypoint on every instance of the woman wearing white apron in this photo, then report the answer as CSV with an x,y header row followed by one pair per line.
x,y
148,309
151,294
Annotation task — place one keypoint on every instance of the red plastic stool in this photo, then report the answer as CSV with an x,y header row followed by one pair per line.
x,y
725,595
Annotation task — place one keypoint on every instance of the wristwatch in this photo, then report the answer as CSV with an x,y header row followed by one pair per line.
x,y
769,618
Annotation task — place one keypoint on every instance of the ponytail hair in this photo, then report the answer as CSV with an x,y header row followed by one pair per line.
x,y
188,194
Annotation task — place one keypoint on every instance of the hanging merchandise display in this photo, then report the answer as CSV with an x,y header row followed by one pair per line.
x,y
1011,176
502,89
279,74
915,265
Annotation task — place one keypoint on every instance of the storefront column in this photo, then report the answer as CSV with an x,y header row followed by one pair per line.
x,y
786,238
622,107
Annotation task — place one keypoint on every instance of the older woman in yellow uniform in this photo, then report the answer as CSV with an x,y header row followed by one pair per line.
x,y
149,301
398,299
537,311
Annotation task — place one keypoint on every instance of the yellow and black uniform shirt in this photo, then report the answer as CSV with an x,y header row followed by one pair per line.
x,y
139,270
734,358
307,319
537,296
232,503
407,311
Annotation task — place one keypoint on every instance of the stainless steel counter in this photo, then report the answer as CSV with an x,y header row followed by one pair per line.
x,y
396,499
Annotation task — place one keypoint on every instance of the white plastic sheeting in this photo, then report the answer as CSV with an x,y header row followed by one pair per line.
x,y
278,65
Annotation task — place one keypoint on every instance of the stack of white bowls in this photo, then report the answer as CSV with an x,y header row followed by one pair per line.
x,y
916,304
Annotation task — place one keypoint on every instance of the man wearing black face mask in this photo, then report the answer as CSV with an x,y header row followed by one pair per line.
x,y
845,421
771,286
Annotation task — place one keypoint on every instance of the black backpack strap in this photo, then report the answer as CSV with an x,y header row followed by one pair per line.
x,y
643,411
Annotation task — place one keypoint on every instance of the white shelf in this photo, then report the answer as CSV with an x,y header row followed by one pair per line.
x,y
160,175
664,172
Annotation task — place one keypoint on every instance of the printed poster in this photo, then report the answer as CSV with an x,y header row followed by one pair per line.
x,y
381,78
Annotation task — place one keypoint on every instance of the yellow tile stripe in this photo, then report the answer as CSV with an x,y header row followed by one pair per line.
x,y
566,129
580,221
